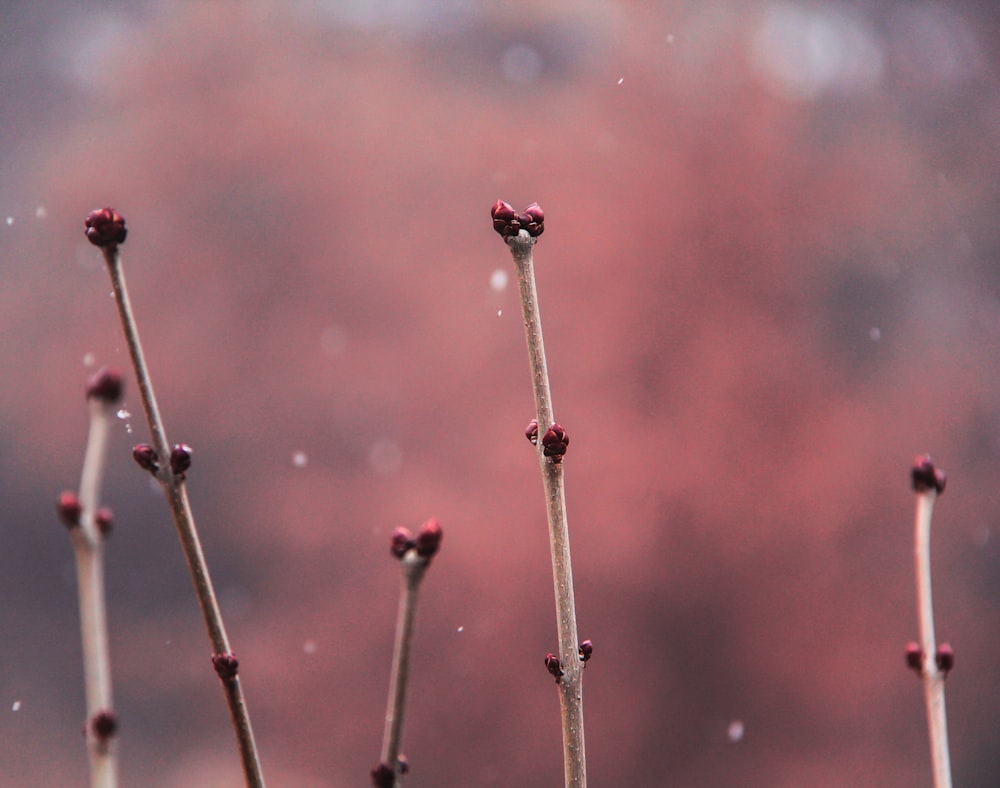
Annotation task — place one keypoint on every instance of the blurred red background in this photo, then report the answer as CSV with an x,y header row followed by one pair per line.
x,y
769,279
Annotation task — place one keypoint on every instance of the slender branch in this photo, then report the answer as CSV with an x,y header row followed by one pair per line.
x,y
928,483
521,232
413,571
106,229
414,557
86,533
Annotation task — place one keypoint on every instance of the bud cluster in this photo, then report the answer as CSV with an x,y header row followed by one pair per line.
x,y
927,476
105,228
509,222
554,442
226,666
427,541
105,385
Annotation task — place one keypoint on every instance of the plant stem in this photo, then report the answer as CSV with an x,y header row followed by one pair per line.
x,y
88,549
413,567
933,677
180,508
571,682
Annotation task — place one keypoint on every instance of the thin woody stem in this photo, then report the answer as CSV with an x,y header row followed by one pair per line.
x,y
89,552
933,677
413,567
180,508
571,682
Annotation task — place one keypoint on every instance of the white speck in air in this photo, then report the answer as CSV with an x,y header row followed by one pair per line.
x,y
88,359
460,629
874,333
10,220
670,38
16,706
309,647
620,80
499,313
124,415
498,280
735,731
41,212
300,459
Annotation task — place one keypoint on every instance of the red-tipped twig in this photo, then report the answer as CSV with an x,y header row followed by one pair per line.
x,y
931,661
520,231
88,526
414,556
105,228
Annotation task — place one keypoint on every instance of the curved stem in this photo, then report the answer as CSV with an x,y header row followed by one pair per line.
x,y
88,549
937,721
571,682
180,508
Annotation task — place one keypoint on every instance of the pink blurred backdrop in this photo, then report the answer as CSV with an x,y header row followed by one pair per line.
x,y
769,278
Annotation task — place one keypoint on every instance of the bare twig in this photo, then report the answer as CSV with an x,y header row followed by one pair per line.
x,y
414,557
106,229
88,526
520,232
932,662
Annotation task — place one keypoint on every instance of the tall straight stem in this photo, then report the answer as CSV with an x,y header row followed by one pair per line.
x,y
937,721
180,508
571,682
413,567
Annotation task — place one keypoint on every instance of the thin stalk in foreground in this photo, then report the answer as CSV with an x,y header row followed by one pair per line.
x,y
88,525
520,233
106,229
414,557
933,663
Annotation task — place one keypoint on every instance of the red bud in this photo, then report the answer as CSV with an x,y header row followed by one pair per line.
x,y
105,228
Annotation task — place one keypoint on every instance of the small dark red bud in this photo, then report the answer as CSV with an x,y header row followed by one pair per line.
x,y
927,476
503,211
915,657
554,442
69,508
226,666
553,666
505,219
106,385
383,776
401,542
104,520
105,228
428,540
146,457
531,432
180,459
586,650
103,725
532,220
945,658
